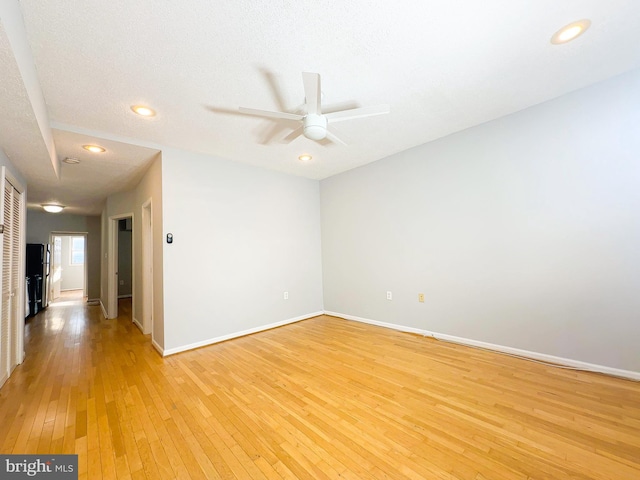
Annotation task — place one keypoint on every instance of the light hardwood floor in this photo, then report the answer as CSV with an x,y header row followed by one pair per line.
x,y
322,398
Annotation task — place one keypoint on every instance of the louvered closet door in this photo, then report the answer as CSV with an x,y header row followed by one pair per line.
x,y
15,352
5,322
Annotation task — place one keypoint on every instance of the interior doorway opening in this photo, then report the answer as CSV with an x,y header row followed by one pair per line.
x,y
68,266
121,284
125,258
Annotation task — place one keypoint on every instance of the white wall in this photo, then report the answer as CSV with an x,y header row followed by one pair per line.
x,y
40,225
5,162
72,275
150,187
522,232
242,237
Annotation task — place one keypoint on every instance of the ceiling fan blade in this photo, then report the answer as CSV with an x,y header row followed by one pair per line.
x,y
332,136
343,115
337,107
275,90
272,131
312,92
270,114
293,135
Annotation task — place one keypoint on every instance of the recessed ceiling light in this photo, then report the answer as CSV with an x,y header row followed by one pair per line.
x,y
71,161
570,32
305,158
143,111
94,148
52,207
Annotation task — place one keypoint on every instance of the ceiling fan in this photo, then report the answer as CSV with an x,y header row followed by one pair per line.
x,y
314,123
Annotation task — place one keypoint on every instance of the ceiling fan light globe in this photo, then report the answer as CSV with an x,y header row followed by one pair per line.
x,y
315,127
315,132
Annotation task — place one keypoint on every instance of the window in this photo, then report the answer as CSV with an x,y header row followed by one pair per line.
x,y
77,250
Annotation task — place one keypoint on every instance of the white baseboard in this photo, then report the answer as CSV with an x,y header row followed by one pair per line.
x,y
158,348
138,324
172,351
393,326
591,367
104,310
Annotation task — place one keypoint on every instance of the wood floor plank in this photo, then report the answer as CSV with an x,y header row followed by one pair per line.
x,y
321,398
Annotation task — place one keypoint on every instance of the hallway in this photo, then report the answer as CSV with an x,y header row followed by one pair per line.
x,y
61,399
69,296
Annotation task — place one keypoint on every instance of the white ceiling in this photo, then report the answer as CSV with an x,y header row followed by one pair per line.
x,y
442,66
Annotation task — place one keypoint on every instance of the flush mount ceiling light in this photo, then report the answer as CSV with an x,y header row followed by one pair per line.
x,y
305,158
52,208
570,32
71,161
94,148
143,111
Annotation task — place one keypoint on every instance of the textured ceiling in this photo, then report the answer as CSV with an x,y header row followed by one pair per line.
x,y
442,66
20,136
83,187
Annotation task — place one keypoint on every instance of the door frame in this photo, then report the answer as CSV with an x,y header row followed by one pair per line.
x,y
146,276
52,234
112,265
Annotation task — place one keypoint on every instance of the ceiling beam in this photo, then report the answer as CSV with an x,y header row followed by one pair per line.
x,y
12,23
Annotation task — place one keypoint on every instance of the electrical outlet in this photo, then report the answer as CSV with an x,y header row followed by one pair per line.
x,y
389,296
421,297
286,295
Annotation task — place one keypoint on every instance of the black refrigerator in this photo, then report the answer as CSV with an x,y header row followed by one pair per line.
x,y
38,256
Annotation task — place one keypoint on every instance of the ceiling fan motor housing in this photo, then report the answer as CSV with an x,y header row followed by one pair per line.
x,y
315,126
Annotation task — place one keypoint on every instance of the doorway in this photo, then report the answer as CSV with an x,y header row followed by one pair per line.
x,y
125,260
121,283
68,269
